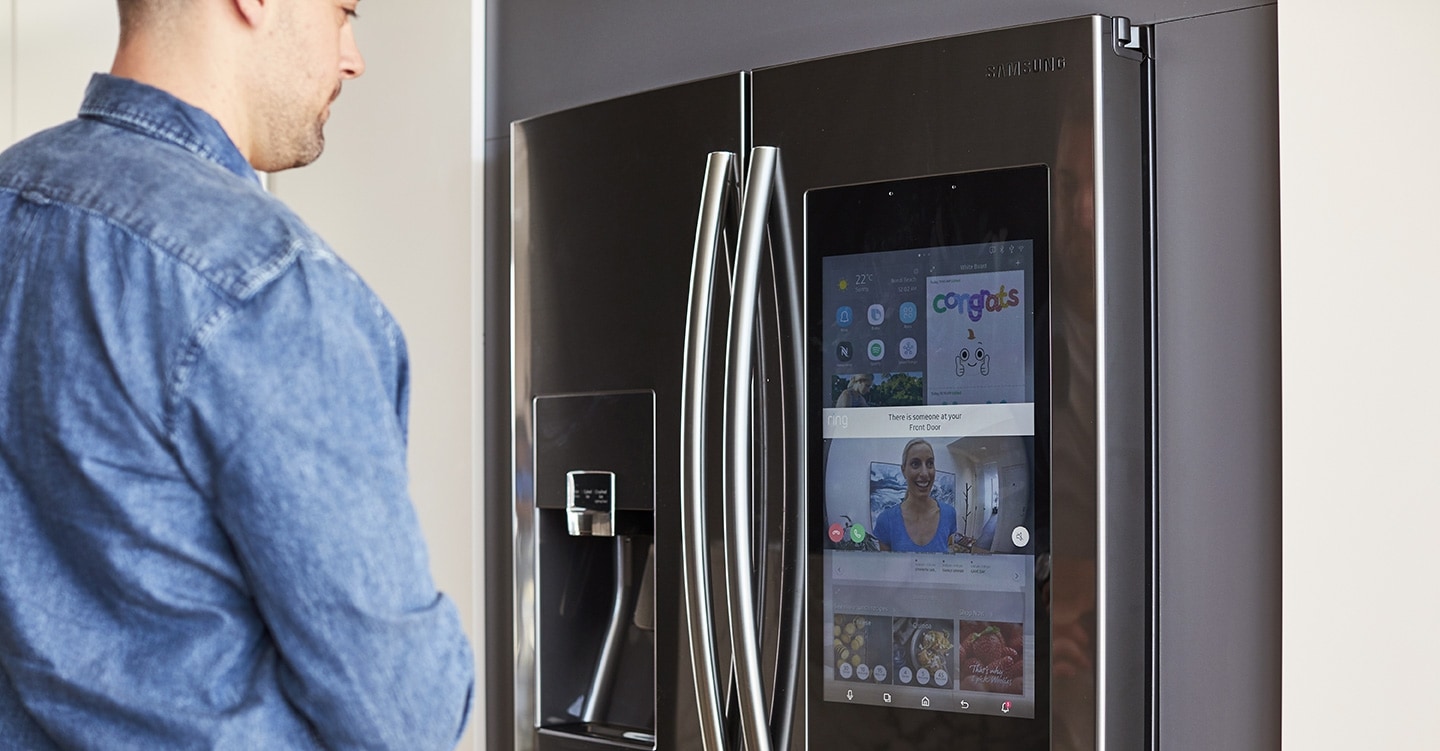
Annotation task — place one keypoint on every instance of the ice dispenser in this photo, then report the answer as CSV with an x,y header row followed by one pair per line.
x,y
595,563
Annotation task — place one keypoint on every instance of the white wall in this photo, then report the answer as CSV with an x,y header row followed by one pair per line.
x,y
50,48
397,193
1360,270
7,72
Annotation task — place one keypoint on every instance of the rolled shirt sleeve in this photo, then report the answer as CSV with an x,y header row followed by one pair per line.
x,y
290,414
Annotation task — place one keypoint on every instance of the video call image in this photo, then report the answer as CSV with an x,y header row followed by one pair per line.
x,y
929,495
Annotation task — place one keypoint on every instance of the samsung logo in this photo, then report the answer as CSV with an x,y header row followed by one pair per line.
x,y
1025,67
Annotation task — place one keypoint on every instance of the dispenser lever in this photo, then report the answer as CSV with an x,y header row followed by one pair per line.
x,y
602,685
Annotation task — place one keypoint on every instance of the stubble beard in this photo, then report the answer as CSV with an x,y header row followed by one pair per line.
x,y
299,140
305,145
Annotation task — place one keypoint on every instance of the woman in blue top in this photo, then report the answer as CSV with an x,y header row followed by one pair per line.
x,y
920,524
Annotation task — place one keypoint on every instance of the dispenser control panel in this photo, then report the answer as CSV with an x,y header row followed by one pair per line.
x,y
590,502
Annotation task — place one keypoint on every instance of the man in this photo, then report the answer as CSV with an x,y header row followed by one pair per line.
x,y
206,539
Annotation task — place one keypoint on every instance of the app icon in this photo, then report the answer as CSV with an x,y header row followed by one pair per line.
x,y
837,532
844,316
909,348
907,312
876,314
844,351
876,349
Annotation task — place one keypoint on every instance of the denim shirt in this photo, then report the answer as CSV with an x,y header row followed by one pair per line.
x,y
206,538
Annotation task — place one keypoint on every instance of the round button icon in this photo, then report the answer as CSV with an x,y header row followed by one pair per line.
x,y
857,533
881,673
922,676
846,670
908,312
862,671
1020,536
904,674
837,532
941,677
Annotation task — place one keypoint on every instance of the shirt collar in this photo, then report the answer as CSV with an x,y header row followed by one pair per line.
x,y
147,110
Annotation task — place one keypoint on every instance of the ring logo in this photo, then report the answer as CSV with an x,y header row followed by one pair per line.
x,y
976,304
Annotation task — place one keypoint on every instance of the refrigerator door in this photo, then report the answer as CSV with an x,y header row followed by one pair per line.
x,y
604,233
1055,112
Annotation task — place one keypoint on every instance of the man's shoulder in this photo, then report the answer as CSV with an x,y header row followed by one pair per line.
x,y
224,226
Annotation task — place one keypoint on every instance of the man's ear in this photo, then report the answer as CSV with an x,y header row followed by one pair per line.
x,y
252,12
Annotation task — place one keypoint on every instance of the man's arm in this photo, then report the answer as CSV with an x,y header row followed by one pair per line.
x,y
291,419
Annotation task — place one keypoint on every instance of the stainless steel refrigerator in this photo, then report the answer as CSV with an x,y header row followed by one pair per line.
x,y
831,403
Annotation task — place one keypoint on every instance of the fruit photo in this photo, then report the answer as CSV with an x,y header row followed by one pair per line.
x,y
992,657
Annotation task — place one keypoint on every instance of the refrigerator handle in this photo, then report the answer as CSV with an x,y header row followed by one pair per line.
x,y
786,261
721,179
739,367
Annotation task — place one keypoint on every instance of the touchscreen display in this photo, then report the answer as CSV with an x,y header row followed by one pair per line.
x,y
927,507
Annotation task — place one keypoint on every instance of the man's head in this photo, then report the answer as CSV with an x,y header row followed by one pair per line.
x,y
311,51
266,69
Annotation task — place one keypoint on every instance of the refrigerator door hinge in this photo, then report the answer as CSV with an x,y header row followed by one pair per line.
x,y
1130,41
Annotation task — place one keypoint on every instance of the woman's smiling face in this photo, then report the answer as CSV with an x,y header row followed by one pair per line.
x,y
919,469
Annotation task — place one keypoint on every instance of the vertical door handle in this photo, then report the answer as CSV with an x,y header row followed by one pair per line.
x,y
739,368
720,180
786,260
